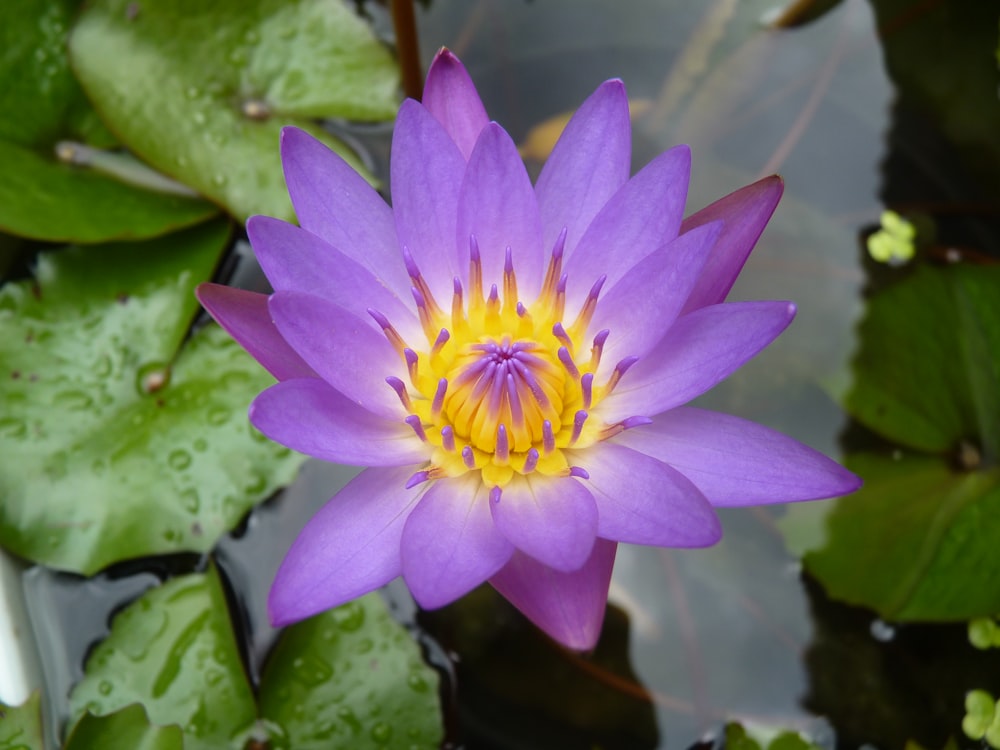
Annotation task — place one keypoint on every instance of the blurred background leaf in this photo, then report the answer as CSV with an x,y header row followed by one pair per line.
x,y
42,195
208,86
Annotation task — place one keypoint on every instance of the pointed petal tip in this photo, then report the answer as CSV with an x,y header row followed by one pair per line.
x,y
291,134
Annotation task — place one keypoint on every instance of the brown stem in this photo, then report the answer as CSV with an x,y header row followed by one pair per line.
x,y
407,48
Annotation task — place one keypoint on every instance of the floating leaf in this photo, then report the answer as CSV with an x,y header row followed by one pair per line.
x,y
173,651
228,75
920,540
927,375
21,726
127,729
351,677
41,196
117,438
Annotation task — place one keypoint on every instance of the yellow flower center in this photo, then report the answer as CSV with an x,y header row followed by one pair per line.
x,y
499,387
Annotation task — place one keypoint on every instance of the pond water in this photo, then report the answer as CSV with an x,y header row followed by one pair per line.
x,y
694,638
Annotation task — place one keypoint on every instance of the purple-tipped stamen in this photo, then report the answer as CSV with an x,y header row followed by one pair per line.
x,y
469,457
400,388
567,361
442,339
414,421
502,451
620,369
548,437
579,472
475,269
411,265
448,438
587,388
636,421
439,394
412,361
560,333
390,333
598,348
530,461
578,421
418,478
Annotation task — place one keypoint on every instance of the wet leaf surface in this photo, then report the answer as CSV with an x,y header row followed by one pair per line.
x,y
351,677
41,196
21,726
229,75
118,439
173,651
126,729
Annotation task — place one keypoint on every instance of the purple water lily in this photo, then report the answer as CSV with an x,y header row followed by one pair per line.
x,y
511,361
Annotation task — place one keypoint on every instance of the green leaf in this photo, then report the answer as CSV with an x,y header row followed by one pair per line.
x,y
21,726
173,651
927,375
917,542
229,75
41,196
738,739
351,677
127,729
118,439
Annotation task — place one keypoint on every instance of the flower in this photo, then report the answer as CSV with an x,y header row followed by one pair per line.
x,y
511,361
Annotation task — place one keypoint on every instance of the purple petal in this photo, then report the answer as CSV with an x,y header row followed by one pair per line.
x,y
451,97
349,353
644,304
245,317
309,416
553,520
498,207
334,202
736,462
643,215
745,213
641,500
701,349
450,544
299,261
589,163
426,173
349,548
569,607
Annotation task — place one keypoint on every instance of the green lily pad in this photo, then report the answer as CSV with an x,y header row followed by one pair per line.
x,y
173,651
127,729
351,677
42,196
927,375
21,726
228,76
918,542
118,438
